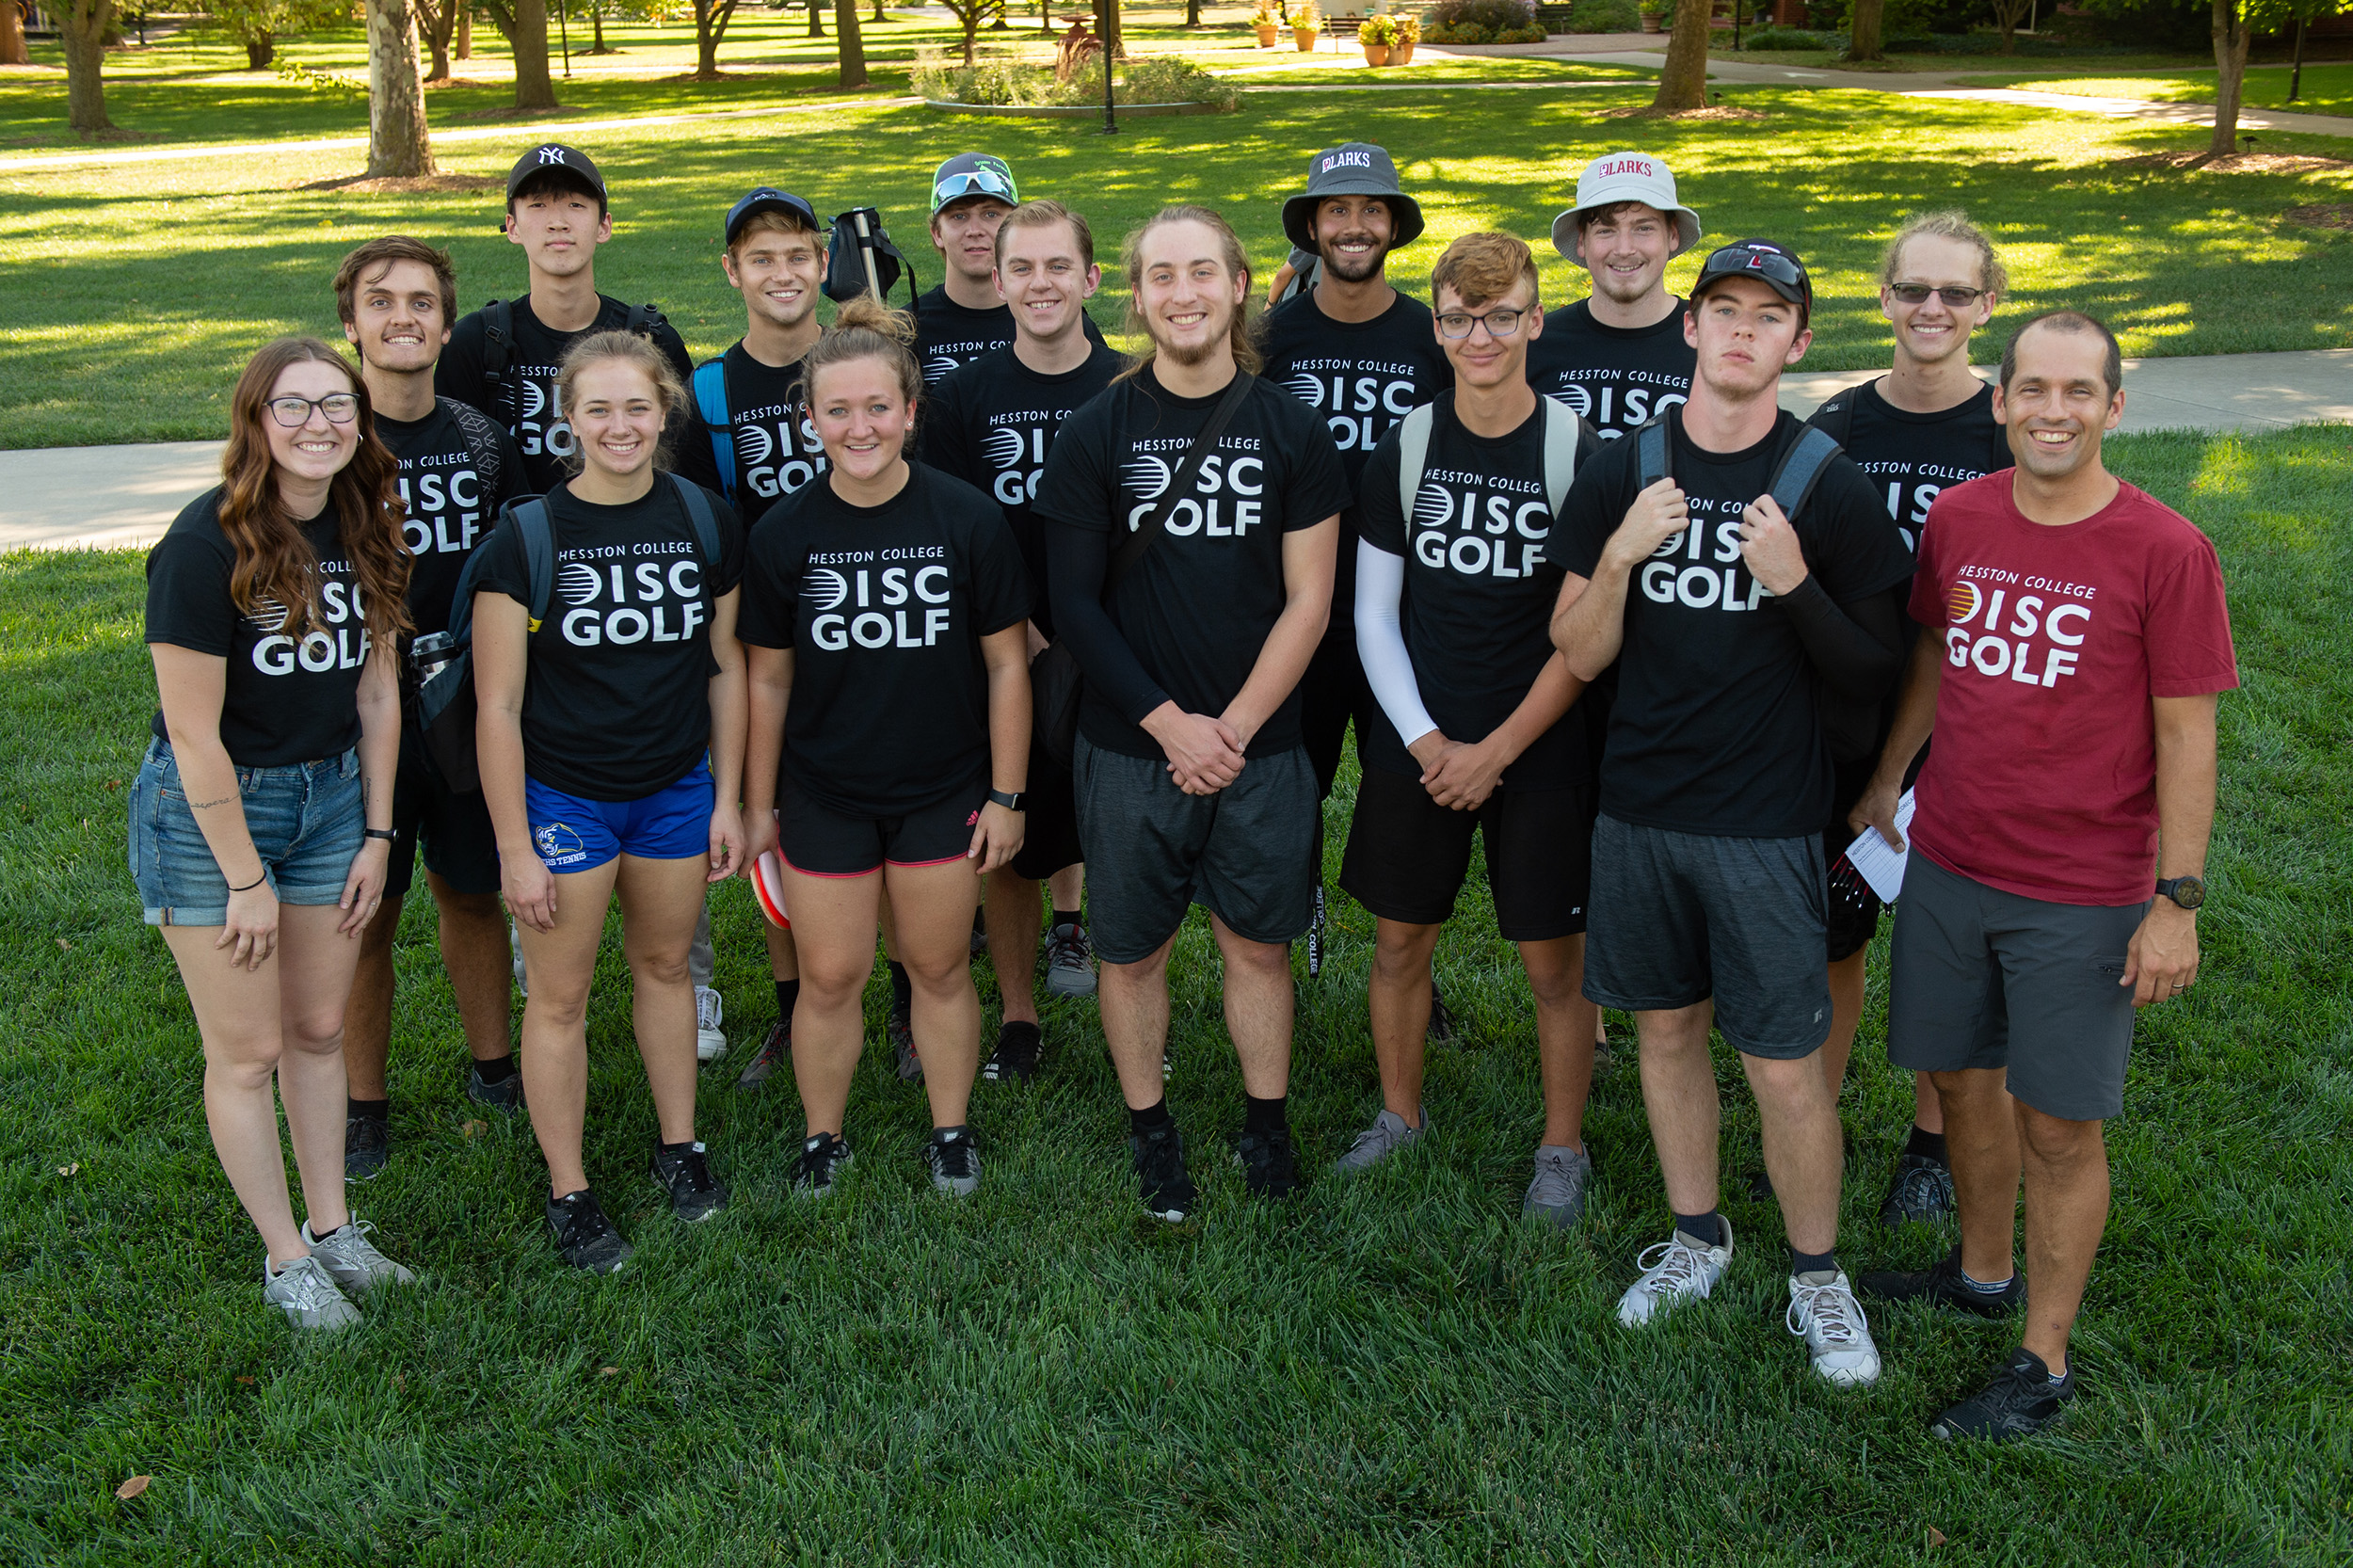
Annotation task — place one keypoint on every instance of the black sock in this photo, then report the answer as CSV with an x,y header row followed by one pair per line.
x,y
1012,1024
1929,1146
1067,917
1264,1116
1150,1119
1812,1262
498,1069
1707,1227
901,989
373,1111
788,995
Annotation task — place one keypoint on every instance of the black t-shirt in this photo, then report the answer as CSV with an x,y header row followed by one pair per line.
x,y
884,608
1715,728
775,444
450,509
1909,457
1197,609
1476,610
949,336
617,702
991,424
1618,378
285,702
1362,376
524,399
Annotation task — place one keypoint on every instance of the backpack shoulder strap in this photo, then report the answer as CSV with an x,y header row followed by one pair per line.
x,y
1413,457
698,506
1835,417
538,531
1562,430
711,400
1651,448
498,339
482,441
1801,467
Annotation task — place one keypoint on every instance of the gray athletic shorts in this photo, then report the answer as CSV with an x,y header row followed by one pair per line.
x,y
1982,978
1247,853
1679,918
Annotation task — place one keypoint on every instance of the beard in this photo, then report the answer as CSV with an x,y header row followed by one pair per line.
x,y
1621,289
1353,270
1192,354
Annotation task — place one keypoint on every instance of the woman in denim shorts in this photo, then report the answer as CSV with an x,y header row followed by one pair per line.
x,y
262,817
611,735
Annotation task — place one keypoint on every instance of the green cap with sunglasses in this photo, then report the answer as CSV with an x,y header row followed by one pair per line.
x,y
973,174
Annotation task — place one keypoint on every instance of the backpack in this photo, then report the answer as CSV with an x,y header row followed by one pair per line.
x,y
1835,417
710,400
1850,730
482,441
860,259
1562,430
497,336
446,708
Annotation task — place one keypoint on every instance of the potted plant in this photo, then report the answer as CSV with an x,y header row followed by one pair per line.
x,y
1408,34
1654,16
1266,17
1379,37
1306,22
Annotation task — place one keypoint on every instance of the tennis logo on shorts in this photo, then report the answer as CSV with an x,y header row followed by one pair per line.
x,y
1999,648
558,845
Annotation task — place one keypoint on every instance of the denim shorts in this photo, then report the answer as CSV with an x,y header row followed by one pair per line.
x,y
574,835
308,822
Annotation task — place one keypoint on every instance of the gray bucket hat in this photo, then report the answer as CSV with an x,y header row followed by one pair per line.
x,y
1352,169
1627,177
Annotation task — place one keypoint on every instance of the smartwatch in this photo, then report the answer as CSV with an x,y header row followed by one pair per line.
x,y
2187,891
1010,799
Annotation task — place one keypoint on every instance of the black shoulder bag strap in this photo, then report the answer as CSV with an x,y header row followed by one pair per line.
x,y
1835,417
482,441
1132,550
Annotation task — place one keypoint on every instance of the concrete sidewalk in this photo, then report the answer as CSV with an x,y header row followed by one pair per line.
x,y
118,497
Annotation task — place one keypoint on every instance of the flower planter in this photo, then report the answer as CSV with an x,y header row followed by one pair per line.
x,y
1305,38
1267,34
1377,53
1401,53
1651,21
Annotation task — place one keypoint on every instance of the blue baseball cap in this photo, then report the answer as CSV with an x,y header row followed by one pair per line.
x,y
767,199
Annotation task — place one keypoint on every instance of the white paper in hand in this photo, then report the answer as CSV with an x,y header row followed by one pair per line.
x,y
1881,867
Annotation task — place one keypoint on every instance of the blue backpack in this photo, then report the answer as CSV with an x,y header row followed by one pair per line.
x,y
711,400
446,708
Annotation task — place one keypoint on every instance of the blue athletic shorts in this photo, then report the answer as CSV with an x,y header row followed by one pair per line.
x,y
575,834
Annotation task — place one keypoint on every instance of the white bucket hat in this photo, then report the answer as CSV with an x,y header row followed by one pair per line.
x,y
1627,177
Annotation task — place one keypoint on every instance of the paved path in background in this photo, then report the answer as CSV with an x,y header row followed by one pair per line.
x,y
114,497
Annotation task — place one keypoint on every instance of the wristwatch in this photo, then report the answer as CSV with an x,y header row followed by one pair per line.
x,y
1010,799
2187,891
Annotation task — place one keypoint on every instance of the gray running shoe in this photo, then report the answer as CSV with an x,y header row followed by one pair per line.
x,y
824,1158
954,1161
1557,1192
902,1031
351,1260
1069,962
506,1094
308,1294
1676,1270
774,1051
1387,1134
367,1143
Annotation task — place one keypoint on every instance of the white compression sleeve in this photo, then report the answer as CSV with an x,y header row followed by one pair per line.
x,y
1380,642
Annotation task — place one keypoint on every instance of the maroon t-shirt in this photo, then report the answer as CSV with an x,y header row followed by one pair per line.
x,y
2044,778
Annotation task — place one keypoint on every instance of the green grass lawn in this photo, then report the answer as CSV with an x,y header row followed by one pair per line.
x,y
2053,60
2326,89
136,290
1398,1371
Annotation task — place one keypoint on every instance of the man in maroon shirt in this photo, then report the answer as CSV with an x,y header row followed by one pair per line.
x,y
2074,641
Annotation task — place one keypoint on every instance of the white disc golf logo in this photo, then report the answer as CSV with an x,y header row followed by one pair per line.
x,y
1308,388
1579,400
753,443
1432,508
535,399
826,588
939,365
267,614
579,582
1147,476
1004,447
1961,603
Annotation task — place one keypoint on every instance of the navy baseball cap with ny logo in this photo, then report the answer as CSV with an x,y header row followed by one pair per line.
x,y
554,157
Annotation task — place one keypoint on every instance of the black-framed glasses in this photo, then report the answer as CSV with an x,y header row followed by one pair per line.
x,y
294,412
1960,299
1501,323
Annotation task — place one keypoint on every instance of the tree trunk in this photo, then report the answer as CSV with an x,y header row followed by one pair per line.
x,y
398,144
260,52
852,46
439,25
1192,13
1683,84
711,27
12,50
465,30
2229,59
1107,28
1863,30
816,19
83,24
878,13
527,36
2295,71
971,36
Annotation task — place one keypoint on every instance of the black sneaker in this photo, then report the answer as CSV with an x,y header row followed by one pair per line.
x,y
585,1237
823,1157
1441,1029
1941,1285
1270,1167
1159,1160
506,1094
685,1175
1922,1191
954,1161
774,1051
2019,1401
367,1143
1015,1060
901,1027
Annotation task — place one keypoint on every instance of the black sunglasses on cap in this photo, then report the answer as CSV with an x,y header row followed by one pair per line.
x,y
1769,263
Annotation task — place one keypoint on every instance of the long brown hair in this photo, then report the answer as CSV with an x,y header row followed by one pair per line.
x,y
1239,333
274,561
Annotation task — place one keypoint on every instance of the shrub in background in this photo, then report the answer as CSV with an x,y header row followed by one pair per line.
x,y
1605,16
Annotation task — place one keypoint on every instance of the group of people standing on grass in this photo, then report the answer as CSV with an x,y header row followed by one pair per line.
x,y
1017,608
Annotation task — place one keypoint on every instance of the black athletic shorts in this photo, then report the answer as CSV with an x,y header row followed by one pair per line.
x,y
460,845
1331,694
818,840
1407,855
1051,834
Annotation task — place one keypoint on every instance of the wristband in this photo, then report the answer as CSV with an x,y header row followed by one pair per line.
x,y
384,833
255,883
1010,799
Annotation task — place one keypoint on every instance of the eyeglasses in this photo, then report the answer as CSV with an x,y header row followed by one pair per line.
x,y
979,181
1918,294
1500,323
294,412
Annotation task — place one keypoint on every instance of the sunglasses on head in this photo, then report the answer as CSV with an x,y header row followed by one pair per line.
x,y
981,181
1954,294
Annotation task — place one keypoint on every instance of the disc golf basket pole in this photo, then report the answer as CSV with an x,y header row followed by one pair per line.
x,y
866,254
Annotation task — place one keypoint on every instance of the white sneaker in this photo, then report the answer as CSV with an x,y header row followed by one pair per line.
x,y
1836,1333
1674,1272
710,1041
